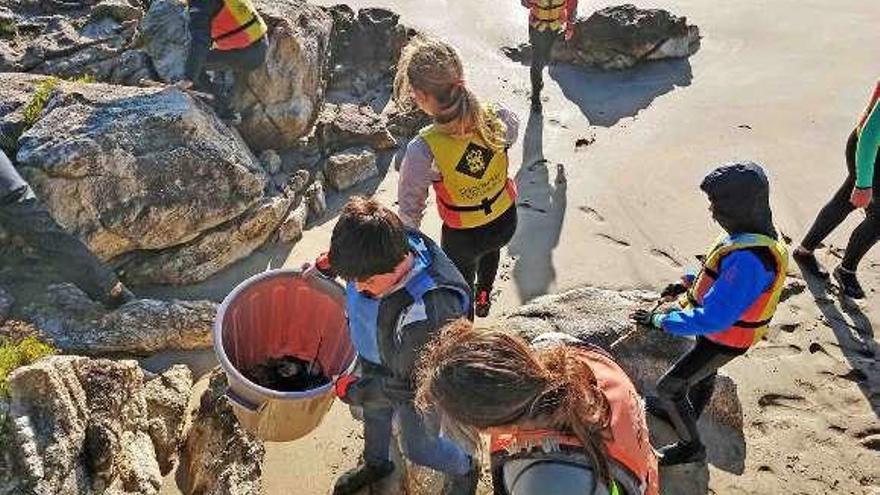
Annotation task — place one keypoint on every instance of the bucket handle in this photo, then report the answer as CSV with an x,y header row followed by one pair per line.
x,y
243,404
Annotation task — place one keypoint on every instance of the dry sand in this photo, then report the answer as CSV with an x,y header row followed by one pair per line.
x,y
778,82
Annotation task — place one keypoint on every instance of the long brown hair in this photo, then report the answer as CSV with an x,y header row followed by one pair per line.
x,y
434,67
478,379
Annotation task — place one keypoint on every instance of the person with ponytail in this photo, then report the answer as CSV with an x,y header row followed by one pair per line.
x,y
562,416
463,155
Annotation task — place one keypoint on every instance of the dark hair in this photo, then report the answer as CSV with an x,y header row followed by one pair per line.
x,y
479,378
369,239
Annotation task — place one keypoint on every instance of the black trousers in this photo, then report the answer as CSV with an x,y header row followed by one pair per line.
x,y
23,216
476,252
240,62
542,46
692,377
835,212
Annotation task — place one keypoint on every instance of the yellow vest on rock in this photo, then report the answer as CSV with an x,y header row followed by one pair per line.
x,y
475,188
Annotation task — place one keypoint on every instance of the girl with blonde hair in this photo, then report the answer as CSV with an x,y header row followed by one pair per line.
x,y
562,415
463,156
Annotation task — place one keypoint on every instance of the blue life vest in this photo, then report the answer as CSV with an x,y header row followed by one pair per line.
x,y
363,311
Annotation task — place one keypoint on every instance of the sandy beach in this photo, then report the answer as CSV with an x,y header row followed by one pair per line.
x,y
780,83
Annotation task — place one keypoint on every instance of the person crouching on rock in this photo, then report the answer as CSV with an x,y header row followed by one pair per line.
x,y
562,416
21,214
463,155
401,289
226,35
728,306
548,20
861,189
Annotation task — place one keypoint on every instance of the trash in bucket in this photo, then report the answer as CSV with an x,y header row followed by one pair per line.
x,y
279,323
288,374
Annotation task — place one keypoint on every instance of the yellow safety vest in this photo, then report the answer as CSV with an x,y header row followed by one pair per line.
x,y
237,25
548,14
753,323
475,188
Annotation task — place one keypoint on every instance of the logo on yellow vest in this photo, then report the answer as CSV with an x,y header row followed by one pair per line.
x,y
475,161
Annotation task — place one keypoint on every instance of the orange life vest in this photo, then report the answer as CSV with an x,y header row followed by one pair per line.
x,y
871,104
752,325
237,25
475,187
548,14
627,440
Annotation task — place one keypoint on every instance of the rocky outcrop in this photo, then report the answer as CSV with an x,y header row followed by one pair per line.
x,y
292,228
6,302
348,125
601,317
164,35
404,121
135,168
280,100
167,397
350,167
73,39
213,250
79,425
621,37
76,324
220,457
366,47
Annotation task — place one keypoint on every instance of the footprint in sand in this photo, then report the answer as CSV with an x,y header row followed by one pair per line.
x,y
665,257
615,240
776,351
869,438
592,214
784,401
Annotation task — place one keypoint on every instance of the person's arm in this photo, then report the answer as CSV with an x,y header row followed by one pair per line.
x,y
201,12
416,176
572,9
743,279
511,124
866,150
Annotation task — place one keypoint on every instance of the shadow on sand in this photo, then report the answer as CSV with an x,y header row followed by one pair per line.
x,y
854,333
541,210
605,97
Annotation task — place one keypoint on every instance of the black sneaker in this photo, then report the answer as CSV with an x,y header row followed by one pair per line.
x,y
682,453
483,302
361,477
465,484
849,283
809,264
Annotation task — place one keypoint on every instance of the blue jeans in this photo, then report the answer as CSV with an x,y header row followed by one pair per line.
x,y
422,443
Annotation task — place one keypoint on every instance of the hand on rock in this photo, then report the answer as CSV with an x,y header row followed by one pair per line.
x,y
861,197
643,317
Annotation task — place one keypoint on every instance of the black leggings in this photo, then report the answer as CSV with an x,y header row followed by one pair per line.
x,y
542,46
690,382
476,252
835,212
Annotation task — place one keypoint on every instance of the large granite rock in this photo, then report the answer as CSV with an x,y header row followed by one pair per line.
x,y
366,47
76,324
601,317
348,125
213,250
621,37
133,168
165,37
78,425
280,100
167,397
219,456
73,39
